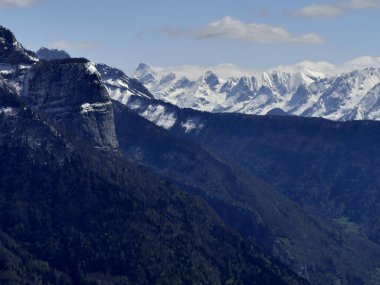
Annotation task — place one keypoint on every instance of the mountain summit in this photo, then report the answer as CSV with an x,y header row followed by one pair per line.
x,y
49,54
11,51
145,74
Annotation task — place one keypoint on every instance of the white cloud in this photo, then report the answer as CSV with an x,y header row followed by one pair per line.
x,y
226,71
361,62
319,11
193,72
17,3
330,68
231,28
318,66
67,45
338,8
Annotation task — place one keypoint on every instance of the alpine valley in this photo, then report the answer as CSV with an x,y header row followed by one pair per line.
x,y
154,179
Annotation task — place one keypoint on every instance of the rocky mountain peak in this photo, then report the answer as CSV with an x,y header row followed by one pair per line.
x,y
145,74
12,52
50,54
120,86
108,72
143,66
211,79
168,78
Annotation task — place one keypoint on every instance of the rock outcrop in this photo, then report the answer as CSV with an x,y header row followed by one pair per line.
x,y
51,54
12,52
71,93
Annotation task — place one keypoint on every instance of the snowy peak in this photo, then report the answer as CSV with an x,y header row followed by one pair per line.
x,y
145,74
168,78
346,96
183,83
120,86
12,52
263,79
212,93
307,74
143,66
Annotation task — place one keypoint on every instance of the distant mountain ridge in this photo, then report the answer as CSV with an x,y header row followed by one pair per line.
x,y
50,54
347,96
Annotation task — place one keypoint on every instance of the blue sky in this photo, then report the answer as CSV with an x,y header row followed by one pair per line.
x,y
254,35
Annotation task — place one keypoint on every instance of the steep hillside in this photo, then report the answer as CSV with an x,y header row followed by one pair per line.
x,y
315,250
97,218
330,168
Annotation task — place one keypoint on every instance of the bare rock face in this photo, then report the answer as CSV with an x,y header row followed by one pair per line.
x,y
15,60
11,51
71,92
51,54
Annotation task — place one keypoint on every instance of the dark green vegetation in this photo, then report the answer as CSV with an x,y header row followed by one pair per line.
x,y
19,267
73,215
322,252
330,168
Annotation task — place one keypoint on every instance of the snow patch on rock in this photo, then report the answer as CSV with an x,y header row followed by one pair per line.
x,y
191,124
94,107
158,115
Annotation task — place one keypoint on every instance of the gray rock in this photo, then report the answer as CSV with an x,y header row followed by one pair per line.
x,y
50,54
71,93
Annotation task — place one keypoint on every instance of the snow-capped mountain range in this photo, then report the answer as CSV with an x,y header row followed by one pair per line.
x,y
348,96
352,95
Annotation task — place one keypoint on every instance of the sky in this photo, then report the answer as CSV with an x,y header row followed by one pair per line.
x,y
241,35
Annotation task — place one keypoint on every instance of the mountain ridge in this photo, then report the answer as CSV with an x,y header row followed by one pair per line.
x,y
303,93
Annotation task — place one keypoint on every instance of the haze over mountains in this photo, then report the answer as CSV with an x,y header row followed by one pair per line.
x,y
103,182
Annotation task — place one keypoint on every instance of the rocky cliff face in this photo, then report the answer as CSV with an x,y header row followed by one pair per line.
x,y
71,93
11,51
